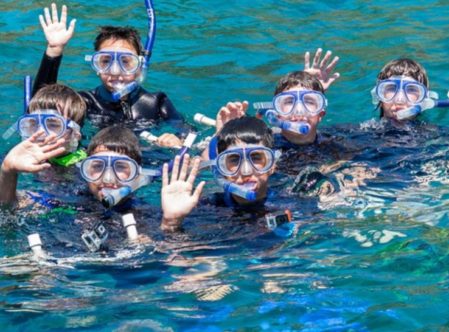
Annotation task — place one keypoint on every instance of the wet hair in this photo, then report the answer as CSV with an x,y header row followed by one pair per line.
x,y
127,33
117,139
404,67
296,78
247,129
60,98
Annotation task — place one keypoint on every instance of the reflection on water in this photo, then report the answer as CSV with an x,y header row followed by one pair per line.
x,y
370,202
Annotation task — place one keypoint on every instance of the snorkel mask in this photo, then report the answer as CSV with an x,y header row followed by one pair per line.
x,y
116,169
301,102
404,89
257,159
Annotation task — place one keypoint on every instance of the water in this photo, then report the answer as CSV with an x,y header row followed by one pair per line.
x,y
371,256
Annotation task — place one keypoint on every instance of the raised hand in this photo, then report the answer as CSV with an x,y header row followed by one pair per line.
x,y
32,154
320,68
177,199
168,140
55,29
232,110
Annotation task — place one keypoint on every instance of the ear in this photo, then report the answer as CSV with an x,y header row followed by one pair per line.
x,y
322,114
77,135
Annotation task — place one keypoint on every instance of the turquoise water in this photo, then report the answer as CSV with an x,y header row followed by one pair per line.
x,y
373,258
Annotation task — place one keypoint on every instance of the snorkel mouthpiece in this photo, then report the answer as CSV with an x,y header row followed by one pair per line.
x,y
123,90
241,191
113,196
301,127
409,112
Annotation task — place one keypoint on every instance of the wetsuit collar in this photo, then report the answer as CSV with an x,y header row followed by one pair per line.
x,y
107,95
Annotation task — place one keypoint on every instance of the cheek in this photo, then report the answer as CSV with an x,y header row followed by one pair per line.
x,y
93,188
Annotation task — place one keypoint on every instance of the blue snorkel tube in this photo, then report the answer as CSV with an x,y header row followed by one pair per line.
x,y
238,190
267,109
148,49
27,81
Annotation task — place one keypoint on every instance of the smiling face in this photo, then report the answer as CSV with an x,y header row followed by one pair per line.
x,y
115,76
301,116
107,180
247,176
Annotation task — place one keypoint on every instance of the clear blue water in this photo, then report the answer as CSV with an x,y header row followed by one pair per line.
x,y
374,257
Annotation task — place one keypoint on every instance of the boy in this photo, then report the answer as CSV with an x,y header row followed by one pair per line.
x,y
117,61
50,134
402,90
244,164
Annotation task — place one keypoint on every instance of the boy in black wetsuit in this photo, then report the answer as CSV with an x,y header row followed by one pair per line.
x,y
118,61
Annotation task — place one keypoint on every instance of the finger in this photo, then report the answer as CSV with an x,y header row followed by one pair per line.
x,y
36,136
198,190
54,13
332,65
334,77
53,145
184,167
42,21
39,167
194,171
47,16
245,106
307,60
325,60
72,26
50,139
316,58
165,175
175,169
54,153
63,15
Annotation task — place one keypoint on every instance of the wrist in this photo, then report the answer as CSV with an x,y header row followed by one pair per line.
x,y
54,51
171,224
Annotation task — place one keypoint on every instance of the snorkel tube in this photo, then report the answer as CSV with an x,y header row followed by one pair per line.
x,y
238,190
428,103
114,196
300,127
148,49
26,92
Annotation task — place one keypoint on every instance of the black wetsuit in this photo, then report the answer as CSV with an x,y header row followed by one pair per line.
x,y
140,106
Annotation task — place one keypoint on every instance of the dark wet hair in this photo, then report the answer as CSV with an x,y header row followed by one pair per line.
x,y
298,77
60,98
405,67
247,129
119,33
117,139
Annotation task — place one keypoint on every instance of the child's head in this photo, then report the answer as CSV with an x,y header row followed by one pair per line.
x,y
244,146
118,58
400,96
114,158
62,112
299,98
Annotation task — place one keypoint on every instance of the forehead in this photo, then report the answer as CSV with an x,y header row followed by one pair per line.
x,y
239,144
101,150
298,87
117,45
402,78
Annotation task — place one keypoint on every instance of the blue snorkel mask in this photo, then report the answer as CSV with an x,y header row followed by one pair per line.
x,y
298,102
404,89
258,159
128,63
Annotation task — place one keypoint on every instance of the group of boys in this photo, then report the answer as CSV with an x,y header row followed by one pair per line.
x,y
242,152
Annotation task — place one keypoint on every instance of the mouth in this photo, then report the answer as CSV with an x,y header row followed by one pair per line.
x,y
251,185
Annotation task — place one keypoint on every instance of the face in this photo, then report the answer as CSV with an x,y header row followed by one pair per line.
x,y
107,180
248,176
398,103
115,76
301,116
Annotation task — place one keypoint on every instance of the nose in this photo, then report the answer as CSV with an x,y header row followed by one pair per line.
x,y
246,169
108,176
400,97
299,109
115,68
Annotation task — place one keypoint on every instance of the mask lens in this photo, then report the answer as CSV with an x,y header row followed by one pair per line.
x,y
284,103
313,102
125,170
54,125
415,93
129,62
259,159
102,62
93,168
387,91
28,126
229,162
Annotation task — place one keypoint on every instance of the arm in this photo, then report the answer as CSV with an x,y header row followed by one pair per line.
x,y
28,156
57,35
321,69
177,199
